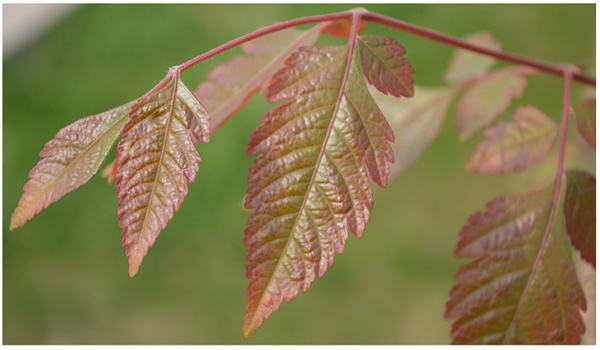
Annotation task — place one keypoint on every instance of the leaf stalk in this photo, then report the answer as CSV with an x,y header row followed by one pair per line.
x,y
568,75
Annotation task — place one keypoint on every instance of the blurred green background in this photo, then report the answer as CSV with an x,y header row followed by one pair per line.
x,y
65,277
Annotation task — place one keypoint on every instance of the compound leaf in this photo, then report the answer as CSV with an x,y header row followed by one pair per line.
x,y
384,67
231,85
466,64
70,160
158,158
580,212
585,120
516,290
416,122
515,146
310,185
484,102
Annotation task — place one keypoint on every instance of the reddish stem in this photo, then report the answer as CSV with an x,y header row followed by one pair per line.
x,y
559,176
400,25
448,40
265,31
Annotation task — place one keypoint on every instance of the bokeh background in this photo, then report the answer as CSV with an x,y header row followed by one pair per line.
x,y
65,277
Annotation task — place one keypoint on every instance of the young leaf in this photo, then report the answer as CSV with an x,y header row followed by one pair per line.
x,y
310,185
483,103
585,120
515,146
158,158
494,303
341,29
232,84
384,67
70,160
416,122
580,213
467,64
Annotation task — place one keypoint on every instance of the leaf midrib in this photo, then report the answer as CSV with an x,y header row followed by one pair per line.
x,y
349,57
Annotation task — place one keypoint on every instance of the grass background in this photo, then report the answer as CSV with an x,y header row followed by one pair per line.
x,y
65,277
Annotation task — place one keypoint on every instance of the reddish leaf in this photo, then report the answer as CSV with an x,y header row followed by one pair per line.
x,y
384,67
70,160
416,122
493,302
585,120
466,64
341,29
515,146
580,213
231,85
310,185
158,158
484,102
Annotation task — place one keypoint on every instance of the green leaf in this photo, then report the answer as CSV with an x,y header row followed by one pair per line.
x,y
585,120
70,160
384,67
515,146
232,85
483,103
466,64
518,288
580,212
310,185
158,158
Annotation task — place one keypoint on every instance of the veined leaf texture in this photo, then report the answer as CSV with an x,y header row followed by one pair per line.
x,y
505,294
70,160
310,184
484,102
231,85
585,121
158,158
515,146
580,212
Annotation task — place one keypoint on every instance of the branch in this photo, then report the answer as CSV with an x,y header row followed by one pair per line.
x,y
448,40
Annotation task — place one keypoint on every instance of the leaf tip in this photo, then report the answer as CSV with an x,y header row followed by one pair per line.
x,y
249,330
133,268
16,223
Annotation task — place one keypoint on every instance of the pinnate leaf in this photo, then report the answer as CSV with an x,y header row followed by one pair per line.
x,y
69,161
493,303
580,212
515,146
466,64
585,120
484,102
416,122
232,84
384,67
310,185
158,158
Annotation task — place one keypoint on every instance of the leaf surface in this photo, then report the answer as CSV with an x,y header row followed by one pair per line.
x,y
515,146
466,64
493,303
341,28
416,122
484,102
384,67
580,212
69,161
585,121
158,158
232,85
310,184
